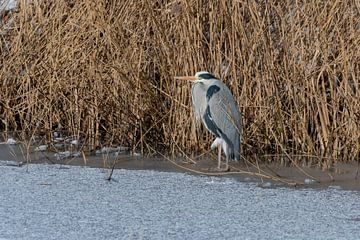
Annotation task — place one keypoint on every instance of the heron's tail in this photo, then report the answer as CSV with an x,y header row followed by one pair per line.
x,y
237,150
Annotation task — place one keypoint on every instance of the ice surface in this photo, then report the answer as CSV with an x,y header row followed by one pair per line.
x,y
11,141
66,202
62,155
107,150
309,181
41,148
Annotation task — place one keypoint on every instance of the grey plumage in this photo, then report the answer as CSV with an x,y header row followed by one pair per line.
x,y
214,104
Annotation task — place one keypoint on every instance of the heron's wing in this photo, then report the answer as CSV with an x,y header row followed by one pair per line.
x,y
225,117
224,111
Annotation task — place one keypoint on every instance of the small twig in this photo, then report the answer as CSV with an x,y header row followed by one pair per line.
x,y
111,172
47,158
84,157
292,161
272,170
186,156
358,165
239,171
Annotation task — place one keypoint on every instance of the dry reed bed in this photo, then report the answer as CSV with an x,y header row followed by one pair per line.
x,y
103,71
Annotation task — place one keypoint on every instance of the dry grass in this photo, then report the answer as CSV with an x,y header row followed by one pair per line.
x,y
103,71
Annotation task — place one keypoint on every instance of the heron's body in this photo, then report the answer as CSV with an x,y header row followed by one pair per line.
x,y
214,104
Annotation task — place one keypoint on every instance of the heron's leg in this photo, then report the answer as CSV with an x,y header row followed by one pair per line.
x,y
219,156
227,164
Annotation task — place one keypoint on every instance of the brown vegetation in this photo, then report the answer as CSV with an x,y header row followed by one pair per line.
x,y
103,71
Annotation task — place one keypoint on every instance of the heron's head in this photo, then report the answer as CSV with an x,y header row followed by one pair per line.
x,y
201,76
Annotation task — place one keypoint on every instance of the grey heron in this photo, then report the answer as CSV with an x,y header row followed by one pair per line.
x,y
214,104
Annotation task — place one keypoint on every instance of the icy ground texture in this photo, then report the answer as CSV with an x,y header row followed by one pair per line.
x,y
63,202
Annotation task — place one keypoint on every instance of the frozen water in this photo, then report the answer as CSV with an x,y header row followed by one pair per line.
x,y
11,141
41,148
62,155
107,150
309,181
67,202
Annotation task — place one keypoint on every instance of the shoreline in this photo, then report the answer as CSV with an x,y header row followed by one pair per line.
x,y
344,176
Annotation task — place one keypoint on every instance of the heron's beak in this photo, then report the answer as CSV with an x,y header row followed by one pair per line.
x,y
187,78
